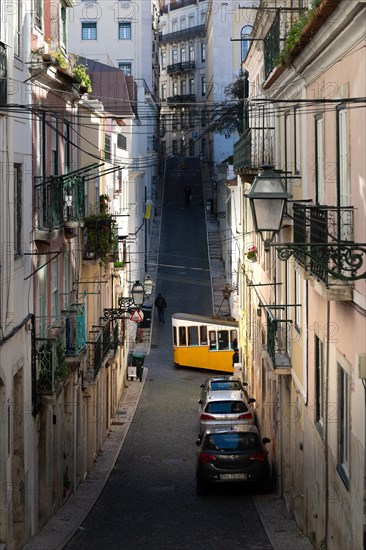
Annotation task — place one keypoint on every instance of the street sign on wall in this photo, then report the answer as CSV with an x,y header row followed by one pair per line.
x,y
137,316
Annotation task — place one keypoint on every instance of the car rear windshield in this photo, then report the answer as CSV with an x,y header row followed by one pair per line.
x,y
232,442
226,385
226,407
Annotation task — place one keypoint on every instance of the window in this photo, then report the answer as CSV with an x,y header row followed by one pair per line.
x,y
38,13
183,55
191,53
124,31
121,142
203,52
3,75
63,26
343,424
126,68
192,118
319,382
342,156
191,147
40,145
191,21
245,44
192,336
163,92
107,147
66,136
319,160
163,59
203,146
203,85
17,210
191,86
163,148
18,29
183,87
174,25
88,31
297,292
174,121
54,145
203,118
175,147
174,56
175,88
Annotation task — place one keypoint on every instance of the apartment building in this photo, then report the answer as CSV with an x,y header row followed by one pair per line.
x,y
303,316
17,429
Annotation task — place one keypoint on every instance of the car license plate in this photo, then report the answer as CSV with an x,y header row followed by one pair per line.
x,y
234,476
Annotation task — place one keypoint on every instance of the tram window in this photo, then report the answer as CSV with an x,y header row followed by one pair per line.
x,y
203,335
182,336
223,337
175,336
212,335
193,336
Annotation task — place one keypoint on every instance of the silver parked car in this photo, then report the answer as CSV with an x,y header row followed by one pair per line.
x,y
222,383
225,409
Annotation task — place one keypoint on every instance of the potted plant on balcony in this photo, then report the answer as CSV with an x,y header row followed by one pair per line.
x,y
252,254
100,236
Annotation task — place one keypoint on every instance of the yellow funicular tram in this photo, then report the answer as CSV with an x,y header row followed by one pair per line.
x,y
203,342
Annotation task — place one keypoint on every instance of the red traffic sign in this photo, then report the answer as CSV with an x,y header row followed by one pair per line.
x,y
137,316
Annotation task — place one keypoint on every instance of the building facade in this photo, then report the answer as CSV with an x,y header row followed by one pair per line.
x,y
303,301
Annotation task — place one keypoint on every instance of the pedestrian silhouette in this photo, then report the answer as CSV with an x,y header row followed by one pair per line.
x,y
188,194
160,304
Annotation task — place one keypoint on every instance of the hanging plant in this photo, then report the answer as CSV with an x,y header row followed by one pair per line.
x,y
252,254
80,73
101,239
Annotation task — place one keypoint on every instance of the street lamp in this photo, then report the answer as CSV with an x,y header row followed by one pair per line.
x,y
148,286
125,303
267,199
138,294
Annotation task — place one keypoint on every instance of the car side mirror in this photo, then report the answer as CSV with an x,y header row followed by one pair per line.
x,y
252,400
266,440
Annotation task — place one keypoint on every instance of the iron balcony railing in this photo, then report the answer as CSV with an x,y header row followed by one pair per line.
x,y
59,199
186,98
243,152
278,340
184,66
50,362
74,330
271,45
101,344
324,243
183,34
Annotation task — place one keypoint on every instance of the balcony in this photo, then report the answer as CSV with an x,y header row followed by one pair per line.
x,y
243,152
278,341
60,202
51,362
74,330
102,342
186,98
183,34
100,238
324,246
183,67
271,45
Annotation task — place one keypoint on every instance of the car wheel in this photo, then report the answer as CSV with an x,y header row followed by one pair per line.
x,y
201,487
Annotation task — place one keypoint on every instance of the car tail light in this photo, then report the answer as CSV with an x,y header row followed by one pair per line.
x,y
259,457
245,416
205,457
206,416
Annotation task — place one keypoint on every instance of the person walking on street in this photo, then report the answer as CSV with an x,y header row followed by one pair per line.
x,y
160,304
188,194
235,356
